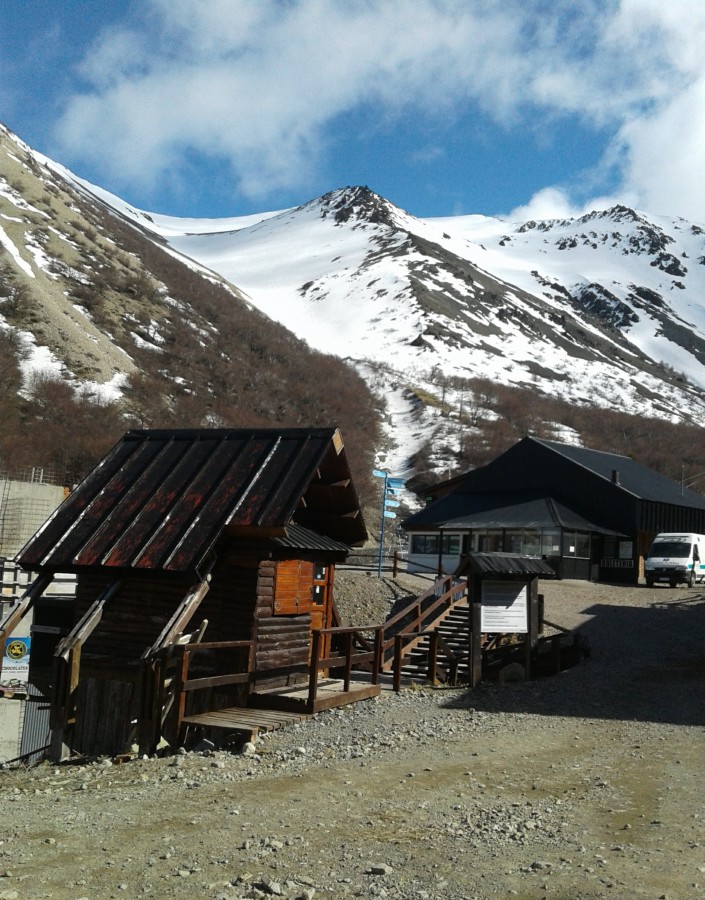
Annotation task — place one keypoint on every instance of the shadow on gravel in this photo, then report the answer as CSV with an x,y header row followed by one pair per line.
x,y
647,664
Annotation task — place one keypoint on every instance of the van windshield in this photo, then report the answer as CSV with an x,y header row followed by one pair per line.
x,y
679,549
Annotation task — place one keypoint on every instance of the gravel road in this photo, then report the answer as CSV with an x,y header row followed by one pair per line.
x,y
588,784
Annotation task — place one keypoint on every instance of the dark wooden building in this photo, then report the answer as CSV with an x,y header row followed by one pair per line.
x,y
237,528
591,514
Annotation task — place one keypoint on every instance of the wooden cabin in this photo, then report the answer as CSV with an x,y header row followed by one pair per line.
x,y
217,541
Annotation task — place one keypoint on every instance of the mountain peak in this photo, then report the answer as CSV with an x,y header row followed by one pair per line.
x,y
357,203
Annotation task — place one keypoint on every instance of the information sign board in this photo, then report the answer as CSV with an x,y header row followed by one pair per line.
x,y
504,607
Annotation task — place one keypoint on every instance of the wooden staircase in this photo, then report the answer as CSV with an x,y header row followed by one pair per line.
x,y
454,629
429,638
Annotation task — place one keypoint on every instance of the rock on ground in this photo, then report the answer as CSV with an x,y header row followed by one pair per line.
x,y
584,785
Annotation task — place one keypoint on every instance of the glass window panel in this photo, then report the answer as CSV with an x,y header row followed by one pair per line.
x,y
550,543
490,542
532,543
424,543
514,541
568,543
451,544
582,545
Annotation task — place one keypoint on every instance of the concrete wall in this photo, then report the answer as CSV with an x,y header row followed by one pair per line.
x,y
24,507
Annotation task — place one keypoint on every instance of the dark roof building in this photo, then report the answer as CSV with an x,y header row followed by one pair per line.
x,y
592,514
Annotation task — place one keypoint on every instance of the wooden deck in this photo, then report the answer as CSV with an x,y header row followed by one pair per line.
x,y
330,694
278,707
246,723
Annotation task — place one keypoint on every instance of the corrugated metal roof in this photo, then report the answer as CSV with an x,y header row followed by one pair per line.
x,y
630,475
625,473
161,498
509,509
298,538
503,564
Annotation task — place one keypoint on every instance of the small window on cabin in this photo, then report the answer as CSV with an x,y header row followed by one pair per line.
x,y
319,572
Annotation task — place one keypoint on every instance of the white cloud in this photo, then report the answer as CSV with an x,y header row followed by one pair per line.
x,y
259,84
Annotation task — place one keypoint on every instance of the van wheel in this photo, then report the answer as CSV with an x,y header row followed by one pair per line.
x,y
649,581
672,584
691,578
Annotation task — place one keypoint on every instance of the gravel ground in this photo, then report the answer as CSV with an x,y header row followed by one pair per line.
x,y
584,785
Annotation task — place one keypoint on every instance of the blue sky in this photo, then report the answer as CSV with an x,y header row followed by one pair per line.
x,y
522,108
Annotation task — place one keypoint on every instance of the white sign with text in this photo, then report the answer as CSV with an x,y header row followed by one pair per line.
x,y
504,607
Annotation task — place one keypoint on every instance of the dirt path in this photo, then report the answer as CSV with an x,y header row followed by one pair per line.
x,y
586,785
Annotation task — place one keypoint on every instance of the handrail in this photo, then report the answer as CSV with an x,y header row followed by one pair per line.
x,y
373,657
451,592
436,642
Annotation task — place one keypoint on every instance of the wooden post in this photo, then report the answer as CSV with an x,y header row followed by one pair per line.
x,y
147,706
313,675
397,663
180,679
433,658
348,661
64,705
532,637
475,631
395,565
377,659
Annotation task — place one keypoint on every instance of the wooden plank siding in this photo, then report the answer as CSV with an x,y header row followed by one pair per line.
x,y
283,619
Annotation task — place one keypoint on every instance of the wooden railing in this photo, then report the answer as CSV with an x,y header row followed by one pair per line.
x,y
416,619
370,648
350,655
436,643
362,655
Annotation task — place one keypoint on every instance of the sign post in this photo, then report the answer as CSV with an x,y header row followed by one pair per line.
x,y
392,487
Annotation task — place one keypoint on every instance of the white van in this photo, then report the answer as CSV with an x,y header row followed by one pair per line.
x,y
676,558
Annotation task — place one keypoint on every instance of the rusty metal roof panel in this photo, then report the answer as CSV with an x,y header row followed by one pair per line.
x,y
161,498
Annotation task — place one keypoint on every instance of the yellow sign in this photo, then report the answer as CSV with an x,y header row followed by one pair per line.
x,y
16,649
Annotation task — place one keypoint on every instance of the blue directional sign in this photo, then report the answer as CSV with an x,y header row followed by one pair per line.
x,y
392,489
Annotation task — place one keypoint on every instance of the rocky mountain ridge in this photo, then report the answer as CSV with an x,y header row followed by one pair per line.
x,y
599,311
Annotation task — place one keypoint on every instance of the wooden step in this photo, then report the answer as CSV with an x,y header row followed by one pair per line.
x,y
247,723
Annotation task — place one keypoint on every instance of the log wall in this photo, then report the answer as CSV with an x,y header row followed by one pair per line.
x,y
282,627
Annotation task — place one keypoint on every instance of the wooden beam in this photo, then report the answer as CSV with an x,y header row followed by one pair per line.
x,y
89,622
180,618
338,441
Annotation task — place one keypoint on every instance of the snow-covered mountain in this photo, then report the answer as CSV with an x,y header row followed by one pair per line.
x,y
604,310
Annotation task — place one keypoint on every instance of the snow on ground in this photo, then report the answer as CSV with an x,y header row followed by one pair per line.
x,y
10,247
